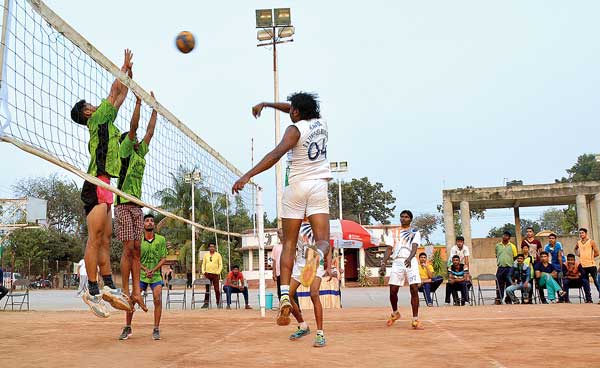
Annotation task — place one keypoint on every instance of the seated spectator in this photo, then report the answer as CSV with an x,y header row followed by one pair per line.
x,y
555,250
546,274
529,260
520,275
234,283
429,282
573,278
457,280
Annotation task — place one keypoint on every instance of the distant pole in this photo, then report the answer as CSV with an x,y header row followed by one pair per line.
x,y
278,181
261,252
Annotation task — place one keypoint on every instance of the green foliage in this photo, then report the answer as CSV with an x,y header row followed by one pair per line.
x,y
427,223
65,209
496,232
585,169
364,275
362,201
559,221
437,262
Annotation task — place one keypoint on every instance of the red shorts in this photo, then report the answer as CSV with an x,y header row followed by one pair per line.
x,y
93,195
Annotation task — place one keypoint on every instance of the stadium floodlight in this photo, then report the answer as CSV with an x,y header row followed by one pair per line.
x,y
264,35
286,32
264,18
283,17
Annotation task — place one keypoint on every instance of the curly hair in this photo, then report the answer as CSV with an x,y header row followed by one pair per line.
x,y
306,103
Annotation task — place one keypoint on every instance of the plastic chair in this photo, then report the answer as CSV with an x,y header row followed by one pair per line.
x,y
23,294
481,298
201,285
177,293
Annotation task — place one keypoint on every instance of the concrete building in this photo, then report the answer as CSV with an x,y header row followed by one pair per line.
x,y
585,195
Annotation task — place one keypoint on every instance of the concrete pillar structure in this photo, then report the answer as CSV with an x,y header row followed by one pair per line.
x,y
518,230
250,260
465,221
362,258
596,218
449,224
582,212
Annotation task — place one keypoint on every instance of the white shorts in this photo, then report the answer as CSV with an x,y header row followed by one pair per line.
x,y
305,198
297,270
400,273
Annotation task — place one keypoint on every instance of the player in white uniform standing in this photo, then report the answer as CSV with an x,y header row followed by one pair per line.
x,y
405,267
306,193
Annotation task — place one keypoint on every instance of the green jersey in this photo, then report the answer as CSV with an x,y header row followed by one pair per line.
x,y
104,141
152,252
132,168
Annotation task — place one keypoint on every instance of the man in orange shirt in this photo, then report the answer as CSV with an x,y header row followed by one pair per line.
x,y
587,251
234,283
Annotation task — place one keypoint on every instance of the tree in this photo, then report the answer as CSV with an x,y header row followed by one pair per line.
x,y
496,232
427,223
559,221
65,209
362,201
585,169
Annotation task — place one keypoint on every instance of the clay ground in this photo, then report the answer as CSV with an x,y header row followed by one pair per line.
x,y
485,336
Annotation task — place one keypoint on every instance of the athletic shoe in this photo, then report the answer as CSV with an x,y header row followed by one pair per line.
x,y
126,333
319,341
552,301
393,318
416,325
590,302
283,316
299,333
248,306
96,304
116,298
155,334
562,293
430,305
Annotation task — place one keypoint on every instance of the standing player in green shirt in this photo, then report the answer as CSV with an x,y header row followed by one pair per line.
x,y
128,215
154,253
104,164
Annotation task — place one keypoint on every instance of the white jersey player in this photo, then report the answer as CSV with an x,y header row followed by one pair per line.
x,y
405,267
306,195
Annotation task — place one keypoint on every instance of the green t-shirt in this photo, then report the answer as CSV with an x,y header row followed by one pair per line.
x,y
132,168
152,252
104,141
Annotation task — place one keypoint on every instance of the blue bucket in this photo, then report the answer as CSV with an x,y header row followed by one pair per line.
x,y
268,300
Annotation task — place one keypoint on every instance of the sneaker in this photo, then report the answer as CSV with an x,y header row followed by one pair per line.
x,y
416,325
116,298
283,316
126,333
516,301
96,304
562,293
155,334
589,302
204,306
393,318
552,301
228,306
299,333
319,341
248,306
430,304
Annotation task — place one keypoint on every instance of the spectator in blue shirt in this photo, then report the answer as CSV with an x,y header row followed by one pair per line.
x,y
457,280
520,275
556,252
546,274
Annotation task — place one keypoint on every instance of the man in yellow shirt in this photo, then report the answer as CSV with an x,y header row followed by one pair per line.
x,y
429,282
212,265
587,251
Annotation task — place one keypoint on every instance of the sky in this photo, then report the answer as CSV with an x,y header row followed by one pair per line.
x,y
419,96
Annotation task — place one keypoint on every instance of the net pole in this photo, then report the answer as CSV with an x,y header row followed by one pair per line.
x,y
4,45
228,237
261,250
212,204
193,234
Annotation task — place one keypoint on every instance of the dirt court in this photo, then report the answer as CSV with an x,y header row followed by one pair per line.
x,y
486,336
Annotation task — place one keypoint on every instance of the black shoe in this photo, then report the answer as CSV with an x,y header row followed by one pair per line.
x,y
497,302
204,306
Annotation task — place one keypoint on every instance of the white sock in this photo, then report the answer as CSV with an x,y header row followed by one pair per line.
x,y
415,319
303,325
320,332
285,290
394,312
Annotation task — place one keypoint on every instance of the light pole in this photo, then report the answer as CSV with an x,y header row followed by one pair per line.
x,y
192,178
275,30
340,167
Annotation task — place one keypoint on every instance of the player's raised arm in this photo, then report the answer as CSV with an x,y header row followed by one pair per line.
x,y
281,106
151,125
290,138
118,91
135,118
